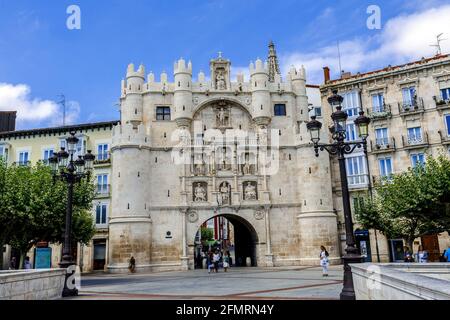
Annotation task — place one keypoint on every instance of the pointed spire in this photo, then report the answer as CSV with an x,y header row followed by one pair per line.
x,y
274,67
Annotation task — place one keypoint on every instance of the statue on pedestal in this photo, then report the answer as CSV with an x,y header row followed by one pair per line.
x,y
199,193
250,192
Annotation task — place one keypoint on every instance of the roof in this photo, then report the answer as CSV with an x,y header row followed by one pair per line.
x,y
61,129
390,68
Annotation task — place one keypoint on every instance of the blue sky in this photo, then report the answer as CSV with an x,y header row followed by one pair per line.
x,y
40,58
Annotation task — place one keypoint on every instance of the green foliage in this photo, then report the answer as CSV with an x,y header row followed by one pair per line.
x,y
412,203
33,207
207,234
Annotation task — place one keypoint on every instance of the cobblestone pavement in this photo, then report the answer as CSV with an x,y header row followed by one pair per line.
x,y
300,283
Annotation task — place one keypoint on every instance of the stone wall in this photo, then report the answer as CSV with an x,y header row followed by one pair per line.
x,y
45,284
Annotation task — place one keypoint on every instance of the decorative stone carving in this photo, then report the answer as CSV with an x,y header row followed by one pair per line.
x,y
225,191
250,191
192,216
220,81
259,215
200,194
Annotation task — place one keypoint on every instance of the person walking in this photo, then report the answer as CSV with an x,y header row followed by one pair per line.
x,y
13,264
216,259
209,261
407,255
324,261
422,255
446,254
27,264
226,261
132,265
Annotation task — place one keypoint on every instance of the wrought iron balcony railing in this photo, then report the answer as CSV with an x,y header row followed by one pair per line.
x,y
413,106
415,141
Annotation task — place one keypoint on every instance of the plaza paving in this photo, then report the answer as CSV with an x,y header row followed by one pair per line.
x,y
300,283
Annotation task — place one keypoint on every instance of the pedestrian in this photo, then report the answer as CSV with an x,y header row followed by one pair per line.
x,y
209,261
422,255
447,254
27,264
324,261
216,260
407,254
230,259
13,264
132,265
226,262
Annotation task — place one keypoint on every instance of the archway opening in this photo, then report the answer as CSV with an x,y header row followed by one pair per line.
x,y
227,234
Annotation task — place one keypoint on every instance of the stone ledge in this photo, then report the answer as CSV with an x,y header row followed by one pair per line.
x,y
401,281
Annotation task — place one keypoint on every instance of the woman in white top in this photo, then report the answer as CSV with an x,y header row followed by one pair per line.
x,y
324,260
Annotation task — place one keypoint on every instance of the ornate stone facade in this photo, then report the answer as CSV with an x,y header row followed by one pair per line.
x,y
224,152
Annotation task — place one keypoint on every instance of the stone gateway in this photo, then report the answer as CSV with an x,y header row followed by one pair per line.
x,y
185,152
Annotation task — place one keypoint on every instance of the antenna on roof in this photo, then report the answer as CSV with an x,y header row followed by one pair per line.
x,y
438,44
63,103
339,56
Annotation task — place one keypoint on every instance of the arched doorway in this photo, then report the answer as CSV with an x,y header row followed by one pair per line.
x,y
226,232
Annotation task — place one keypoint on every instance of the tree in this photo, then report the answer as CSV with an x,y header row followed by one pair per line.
x,y
411,204
33,207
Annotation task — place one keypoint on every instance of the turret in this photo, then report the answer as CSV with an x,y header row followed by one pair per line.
x,y
131,104
298,82
261,102
182,100
130,224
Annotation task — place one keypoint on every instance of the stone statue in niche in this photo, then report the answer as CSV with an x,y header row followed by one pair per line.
x,y
223,117
247,167
225,193
225,164
220,81
200,193
250,192
200,167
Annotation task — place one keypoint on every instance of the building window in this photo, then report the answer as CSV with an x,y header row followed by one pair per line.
x,y
415,135
409,96
356,170
23,158
378,102
81,147
351,132
4,153
100,213
102,184
351,103
447,122
385,166
62,143
445,94
417,159
163,113
318,111
280,109
48,153
381,135
102,152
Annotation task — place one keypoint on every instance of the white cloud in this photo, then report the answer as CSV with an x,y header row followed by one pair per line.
x,y
402,39
34,112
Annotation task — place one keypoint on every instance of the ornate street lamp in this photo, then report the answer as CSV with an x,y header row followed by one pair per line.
x,y
340,148
65,168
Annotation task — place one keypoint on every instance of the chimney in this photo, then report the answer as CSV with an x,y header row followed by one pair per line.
x,y
326,74
7,121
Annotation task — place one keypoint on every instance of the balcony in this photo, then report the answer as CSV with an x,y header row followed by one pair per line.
x,y
445,137
358,181
102,159
382,145
412,107
414,142
22,163
441,104
380,112
103,191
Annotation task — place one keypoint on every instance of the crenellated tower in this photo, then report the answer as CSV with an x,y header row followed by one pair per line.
x,y
298,82
130,224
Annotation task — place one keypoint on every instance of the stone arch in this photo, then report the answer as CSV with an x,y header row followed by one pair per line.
x,y
231,100
249,235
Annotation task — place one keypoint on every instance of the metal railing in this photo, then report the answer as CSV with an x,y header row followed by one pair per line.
x,y
382,144
415,140
103,189
414,105
441,103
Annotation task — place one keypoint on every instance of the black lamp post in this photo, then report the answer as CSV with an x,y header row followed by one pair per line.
x,y
340,148
71,171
